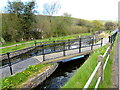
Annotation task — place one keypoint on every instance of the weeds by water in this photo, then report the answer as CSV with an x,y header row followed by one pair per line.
x,y
19,78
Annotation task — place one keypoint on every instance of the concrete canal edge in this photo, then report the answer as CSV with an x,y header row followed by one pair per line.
x,y
38,78
16,53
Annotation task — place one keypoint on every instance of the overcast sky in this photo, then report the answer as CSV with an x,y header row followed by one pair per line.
x,y
85,9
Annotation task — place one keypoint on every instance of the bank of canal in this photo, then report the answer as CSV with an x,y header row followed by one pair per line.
x,y
62,74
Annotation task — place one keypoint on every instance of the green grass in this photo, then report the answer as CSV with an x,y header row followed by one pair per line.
x,y
108,71
12,43
25,45
19,78
14,48
80,78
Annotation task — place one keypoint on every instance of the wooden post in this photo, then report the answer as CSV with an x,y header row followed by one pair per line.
x,y
8,54
100,70
109,50
110,44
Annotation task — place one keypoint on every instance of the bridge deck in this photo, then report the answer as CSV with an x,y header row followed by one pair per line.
x,y
67,57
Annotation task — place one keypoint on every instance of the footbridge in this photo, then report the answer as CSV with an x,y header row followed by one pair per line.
x,y
49,52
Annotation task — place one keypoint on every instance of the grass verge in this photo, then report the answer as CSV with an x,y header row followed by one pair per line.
x,y
31,43
107,83
80,78
19,78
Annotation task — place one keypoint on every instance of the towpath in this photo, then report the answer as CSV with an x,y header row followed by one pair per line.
x,y
116,63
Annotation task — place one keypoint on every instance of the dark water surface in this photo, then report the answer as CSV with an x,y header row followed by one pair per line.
x,y
62,74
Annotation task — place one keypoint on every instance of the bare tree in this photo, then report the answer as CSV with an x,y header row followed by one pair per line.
x,y
51,8
66,14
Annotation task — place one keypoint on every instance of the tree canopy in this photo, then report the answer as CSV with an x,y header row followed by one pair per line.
x,y
20,21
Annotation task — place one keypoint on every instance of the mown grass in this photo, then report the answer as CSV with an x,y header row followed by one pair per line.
x,y
14,48
80,78
19,78
31,43
12,43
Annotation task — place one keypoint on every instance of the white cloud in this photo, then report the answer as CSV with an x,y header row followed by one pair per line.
x,y
86,9
91,9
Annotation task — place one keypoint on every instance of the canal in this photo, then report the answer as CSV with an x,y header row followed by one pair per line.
x,y
62,74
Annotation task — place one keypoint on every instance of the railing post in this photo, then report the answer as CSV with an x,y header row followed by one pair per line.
x,y
114,37
112,40
43,53
101,41
100,70
80,45
64,49
35,43
8,54
92,44
68,44
54,46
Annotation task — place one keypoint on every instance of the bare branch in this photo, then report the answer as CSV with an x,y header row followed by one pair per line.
x,y
51,8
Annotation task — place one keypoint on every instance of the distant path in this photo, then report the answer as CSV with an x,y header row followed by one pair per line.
x,y
115,67
13,45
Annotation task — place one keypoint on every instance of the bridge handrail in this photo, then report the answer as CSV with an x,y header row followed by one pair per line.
x,y
54,45
46,44
68,43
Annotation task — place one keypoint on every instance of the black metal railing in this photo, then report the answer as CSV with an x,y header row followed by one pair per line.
x,y
53,47
112,38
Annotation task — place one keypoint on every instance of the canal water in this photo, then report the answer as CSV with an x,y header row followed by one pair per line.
x,y
62,74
